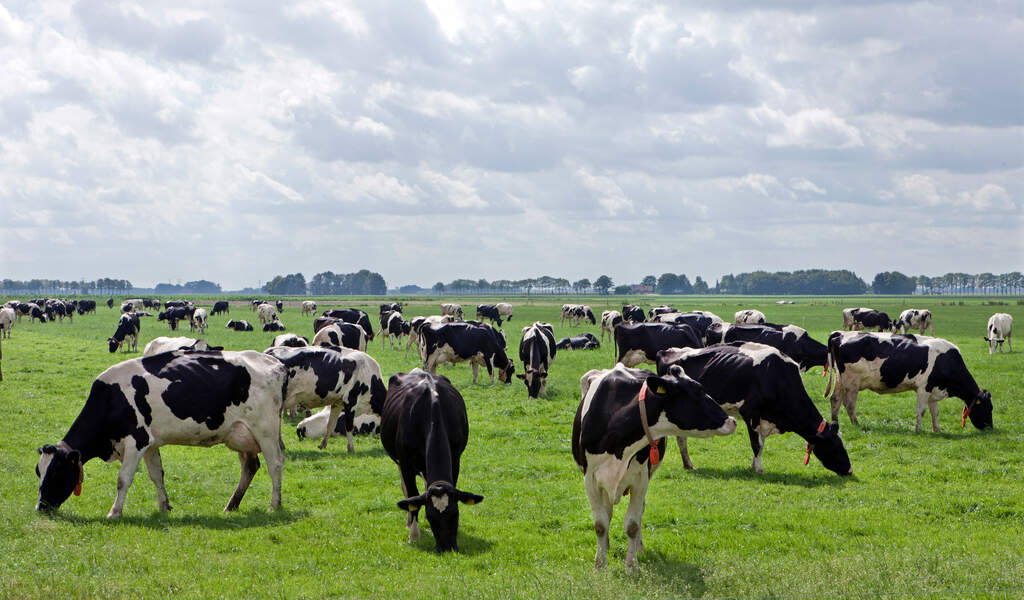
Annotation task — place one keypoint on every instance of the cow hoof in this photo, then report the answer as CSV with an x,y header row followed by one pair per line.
x,y
322,445
114,515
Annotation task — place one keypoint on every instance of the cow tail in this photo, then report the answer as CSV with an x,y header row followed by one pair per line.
x,y
830,370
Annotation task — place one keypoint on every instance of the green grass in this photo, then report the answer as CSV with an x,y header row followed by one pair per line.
x,y
927,515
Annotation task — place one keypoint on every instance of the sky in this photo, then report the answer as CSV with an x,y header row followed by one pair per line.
x,y
429,141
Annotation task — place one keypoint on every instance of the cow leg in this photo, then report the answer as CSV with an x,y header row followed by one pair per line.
x,y
476,369
835,400
681,442
634,519
155,466
129,464
412,521
933,406
250,464
850,402
756,444
601,510
332,422
922,406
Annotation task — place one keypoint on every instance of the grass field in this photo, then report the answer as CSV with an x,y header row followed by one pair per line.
x,y
926,515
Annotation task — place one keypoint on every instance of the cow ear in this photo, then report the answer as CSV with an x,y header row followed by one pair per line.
x,y
657,385
412,504
47,449
74,456
468,498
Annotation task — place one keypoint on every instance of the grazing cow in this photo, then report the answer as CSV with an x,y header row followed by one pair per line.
x,y
171,304
345,335
865,318
791,340
617,440
151,303
587,341
128,327
888,363
221,306
579,312
418,323
424,429
110,303
640,342
457,342
1000,329
914,318
198,321
266,313
664,309
315,425
7,317
489,311
180,398
609,319
127,307
505,310
86,306
166,344
537,350
238,325
762,386
633,314
698,321
35,312
346,380
352,315
749,317
280,306
390,306
308,307
567,312
174,314
450,308
274,326
57,309
394,328
291,340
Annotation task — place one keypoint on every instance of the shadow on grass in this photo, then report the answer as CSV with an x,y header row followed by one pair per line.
x,y
683,578
828,478
316,454
957,433
469,544
251,518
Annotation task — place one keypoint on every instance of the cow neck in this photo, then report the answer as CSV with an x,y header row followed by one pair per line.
x,y
651,442
536,360
85,433
438,459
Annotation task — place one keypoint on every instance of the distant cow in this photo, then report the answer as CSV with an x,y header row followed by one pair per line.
x,y
221,306
1000,329
394,328
86,306
537,350
458,342
489,311
315,425
35,312
749,317
166,344
763,387
424,429
577,313
198,321
914,318
866,318
586,341
609,319
640,342
342,334
266,313
664,309
352,315
274,326
174,314
791,340
698,321
418,323
280,305
450,308
127,329
238,325
505,310
308,307
180,398
110,303
633,314
170,303
888,363
618,440
7,317
291,340
390,306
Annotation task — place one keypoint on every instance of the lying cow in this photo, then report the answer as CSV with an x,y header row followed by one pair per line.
x,y
128,328
180,398
458,342
315,425
914,318
238,325
791,340
640,342
888,363
537,350
424,429
166,344
291,340
749,317
586,341
1000,329
275,326
618,440
341,334
763,387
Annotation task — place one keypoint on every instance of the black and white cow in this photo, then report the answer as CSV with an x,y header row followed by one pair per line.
x,y
866,318
347,380
580,312
198,321
586,341
7,318
618,440
749,317
914,318
57,309
128,328
698,321
86,306
888,363
537,350
1000,329
221,306
489,311
458,342
633,314
275,326
127,307
35,312
762,386
255,302
418,323
390,306
351,315
166,344
110,303
315,425
452,309
791,340
167,305
504,309
280,306
238,325
176,313
640,342
341,334
266,313
609,319
664,309
291,340
424,429
394,328
308,307
178,398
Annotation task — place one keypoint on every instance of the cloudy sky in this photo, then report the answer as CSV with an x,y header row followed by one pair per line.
x,y
436,140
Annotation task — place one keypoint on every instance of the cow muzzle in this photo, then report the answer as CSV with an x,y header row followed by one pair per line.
x,y
728,427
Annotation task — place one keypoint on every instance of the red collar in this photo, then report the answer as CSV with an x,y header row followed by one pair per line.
x,y
654,452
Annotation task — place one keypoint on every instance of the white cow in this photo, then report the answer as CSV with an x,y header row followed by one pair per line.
x,y
505,310
1000,327
7,317
198,321
749,317
308,307
266,313
452,309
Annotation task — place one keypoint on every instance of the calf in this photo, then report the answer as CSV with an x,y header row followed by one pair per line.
x,y
274,326
763,387
346,380
198,321
617,439
505,310
308,307
889,363
166,344
221,306
450,308
180,398
633,314
341,334
315,425
489,311
266,313
537,350
291,340
1000,328
394,328
640,342
128,327
587,341
609,319
749,317
457,342
914,318
7,317
424,429
352,315
791,340
238,325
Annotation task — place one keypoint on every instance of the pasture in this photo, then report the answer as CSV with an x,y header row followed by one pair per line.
x,y
925,515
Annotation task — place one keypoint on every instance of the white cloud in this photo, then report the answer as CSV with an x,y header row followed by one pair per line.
x,y
608,193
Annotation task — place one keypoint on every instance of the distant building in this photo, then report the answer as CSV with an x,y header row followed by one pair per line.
x,y
642,289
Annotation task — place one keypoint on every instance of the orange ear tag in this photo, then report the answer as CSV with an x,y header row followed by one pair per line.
x,y
78,489
655,455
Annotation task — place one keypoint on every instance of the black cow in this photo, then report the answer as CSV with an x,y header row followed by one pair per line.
x,y
537,350
457,342
238,326
640,342
889,363
618,439
764,387
633,314
587,341
221,306
351,315
127,327
176,313
424,429
86,306
204,399
151,303
489,311
110,303
274,326
791,340
697,321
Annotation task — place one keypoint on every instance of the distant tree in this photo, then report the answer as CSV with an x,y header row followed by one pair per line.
x,y
202,287
603,284
622,289
581,286
411,289
700,286
294,284
684,285
893,282
649,280
668,283
165,289
438,288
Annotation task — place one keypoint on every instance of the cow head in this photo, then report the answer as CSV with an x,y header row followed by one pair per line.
x,y
441,501
827,446
980,410
505,373
536,381
688,406
590,317
60,474
113,345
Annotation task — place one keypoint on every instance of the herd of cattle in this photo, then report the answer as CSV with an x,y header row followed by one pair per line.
x,y
710,374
